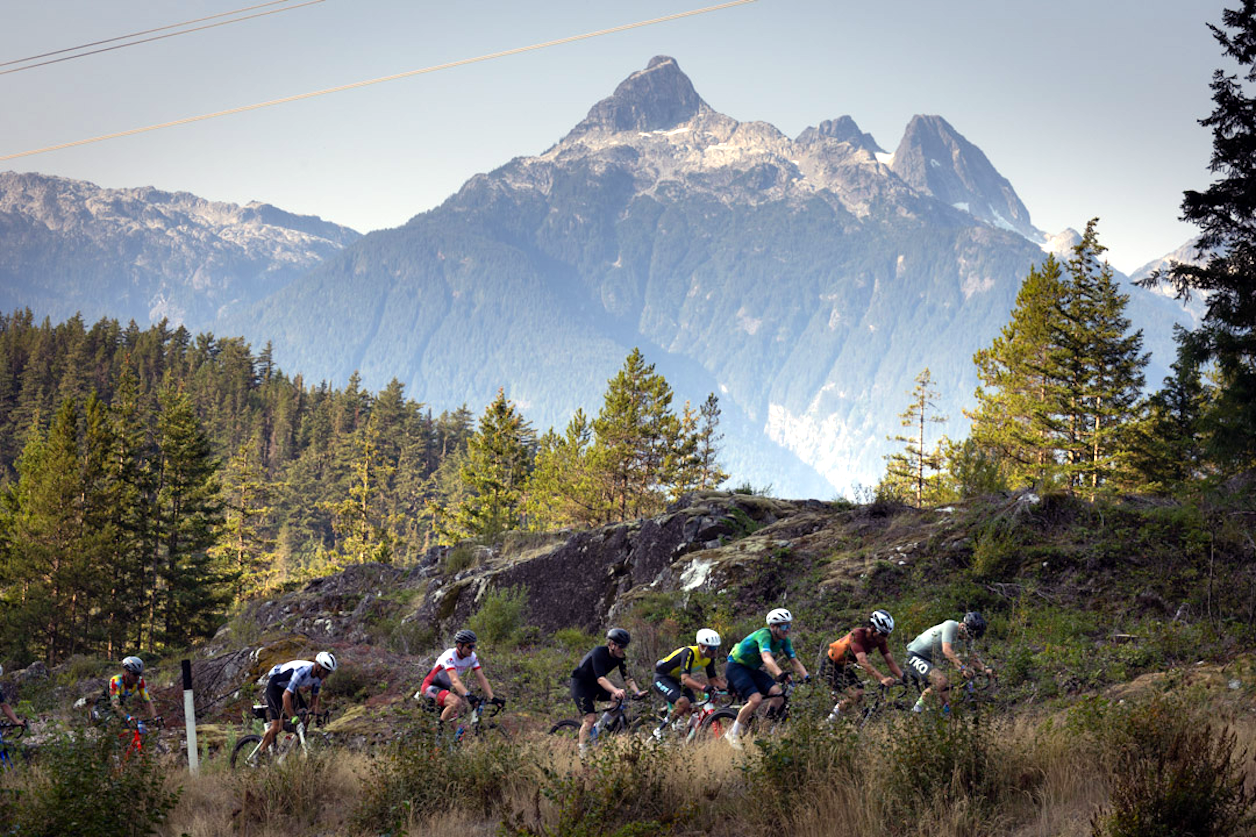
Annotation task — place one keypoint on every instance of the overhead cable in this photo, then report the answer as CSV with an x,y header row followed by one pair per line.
x,y
154,38
358,84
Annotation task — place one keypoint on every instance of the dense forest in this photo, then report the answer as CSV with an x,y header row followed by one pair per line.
x,y
151,478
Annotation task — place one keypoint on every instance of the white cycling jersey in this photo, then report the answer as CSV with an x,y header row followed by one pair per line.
x,y
294,675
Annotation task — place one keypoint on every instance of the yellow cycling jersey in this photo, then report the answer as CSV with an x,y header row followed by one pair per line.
x,y
684,661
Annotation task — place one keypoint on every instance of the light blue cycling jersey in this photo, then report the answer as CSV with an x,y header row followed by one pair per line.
x,y
297,674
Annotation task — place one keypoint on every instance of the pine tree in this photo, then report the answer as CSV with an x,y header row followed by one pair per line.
x,y
636,434
1223,212
911,468
499,458
1173,438
246,546
1017,395
561,490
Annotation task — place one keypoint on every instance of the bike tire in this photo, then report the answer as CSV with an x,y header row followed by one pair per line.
x,y
717,723
566,729
240,755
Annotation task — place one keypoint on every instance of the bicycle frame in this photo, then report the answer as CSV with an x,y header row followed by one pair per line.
x,y
6,760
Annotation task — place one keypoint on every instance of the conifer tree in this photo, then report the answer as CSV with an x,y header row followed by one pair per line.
x,y
562,490
499,458
1173,438
1016,398
1227,280
911,468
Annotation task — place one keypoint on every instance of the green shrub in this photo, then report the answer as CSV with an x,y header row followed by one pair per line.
x,y
1174,774
458,558
88,784
499,621
935,757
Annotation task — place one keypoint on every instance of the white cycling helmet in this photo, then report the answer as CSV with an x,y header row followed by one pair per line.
x,y
708,638
326,661
882,621
780,616
133,664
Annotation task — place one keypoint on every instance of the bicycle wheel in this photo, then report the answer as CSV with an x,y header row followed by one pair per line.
x,y
717,723
566,729
244,748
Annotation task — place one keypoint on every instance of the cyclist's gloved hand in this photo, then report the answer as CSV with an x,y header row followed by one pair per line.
x,y
806,678
783,677
142,728
498,701
474,700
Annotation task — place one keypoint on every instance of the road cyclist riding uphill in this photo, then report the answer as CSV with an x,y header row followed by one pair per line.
x,y
674,679
927,653
590,681
754,673
841,661
282,691
444,685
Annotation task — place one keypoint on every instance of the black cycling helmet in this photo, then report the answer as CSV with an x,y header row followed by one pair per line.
x,y
465,637
976,624
619,636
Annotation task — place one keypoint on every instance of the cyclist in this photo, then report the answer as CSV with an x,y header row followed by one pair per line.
x,y
8,710
935,646
443,683
674,680
746,675
590,681
281,691
127,684
839,666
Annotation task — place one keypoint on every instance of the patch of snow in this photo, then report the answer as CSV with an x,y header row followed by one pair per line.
x,y
747,323
1001,222
935,163
885,158
675,131
962,206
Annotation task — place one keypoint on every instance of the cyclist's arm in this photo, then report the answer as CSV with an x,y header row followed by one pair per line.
x,y
615,692
948,651
455,683
316,700
865,663
289,704
152,708
10,714
769,662
800,668
893,664
978,665
484,686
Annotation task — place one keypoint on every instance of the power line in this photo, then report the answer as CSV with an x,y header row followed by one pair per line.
x,y
154,38
358,84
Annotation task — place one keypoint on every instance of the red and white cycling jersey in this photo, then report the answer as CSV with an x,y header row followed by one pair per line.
x,y
437,679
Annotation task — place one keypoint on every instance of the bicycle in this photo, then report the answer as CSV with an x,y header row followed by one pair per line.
x,y
294,738
615,720
980,689
9,746
717,723
139,731
697,727
476,726
899,697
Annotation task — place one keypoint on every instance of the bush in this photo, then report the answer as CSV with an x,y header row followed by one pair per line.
x,y
459,558
499,620
87,784
934,757
1174,774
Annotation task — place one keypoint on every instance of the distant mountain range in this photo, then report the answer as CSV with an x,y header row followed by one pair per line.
x,y
805,281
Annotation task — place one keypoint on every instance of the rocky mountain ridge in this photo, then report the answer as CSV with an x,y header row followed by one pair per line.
x,y
145,254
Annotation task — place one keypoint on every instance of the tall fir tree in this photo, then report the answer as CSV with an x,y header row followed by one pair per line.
x,y
1227,279
495,473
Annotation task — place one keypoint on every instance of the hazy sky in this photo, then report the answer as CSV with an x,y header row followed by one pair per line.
x,y
1088,107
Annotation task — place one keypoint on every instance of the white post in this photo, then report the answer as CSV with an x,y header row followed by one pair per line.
x,y
189,719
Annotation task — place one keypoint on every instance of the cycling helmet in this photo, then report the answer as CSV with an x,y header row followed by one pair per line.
x,y
708,638
133,664
465,637
780,616
882,621
326,661
619,636
976,623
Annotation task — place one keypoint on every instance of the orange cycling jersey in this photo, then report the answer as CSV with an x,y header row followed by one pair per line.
x,y
858,641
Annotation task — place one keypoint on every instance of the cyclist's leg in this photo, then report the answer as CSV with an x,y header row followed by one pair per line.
x,y
583,696
274,714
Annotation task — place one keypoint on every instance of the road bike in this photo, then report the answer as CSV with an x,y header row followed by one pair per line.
x,y
294,738
615,720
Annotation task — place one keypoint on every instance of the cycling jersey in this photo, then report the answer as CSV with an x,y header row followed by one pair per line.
x,y
683,661
118,689
929,644
748,651
447,662
858,641
294,675
599,662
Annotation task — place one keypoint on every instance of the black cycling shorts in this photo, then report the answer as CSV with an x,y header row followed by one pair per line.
x,y
274,700
671,689
919,667
585,694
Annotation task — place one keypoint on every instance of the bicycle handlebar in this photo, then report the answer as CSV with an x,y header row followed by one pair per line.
x,y
8,725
